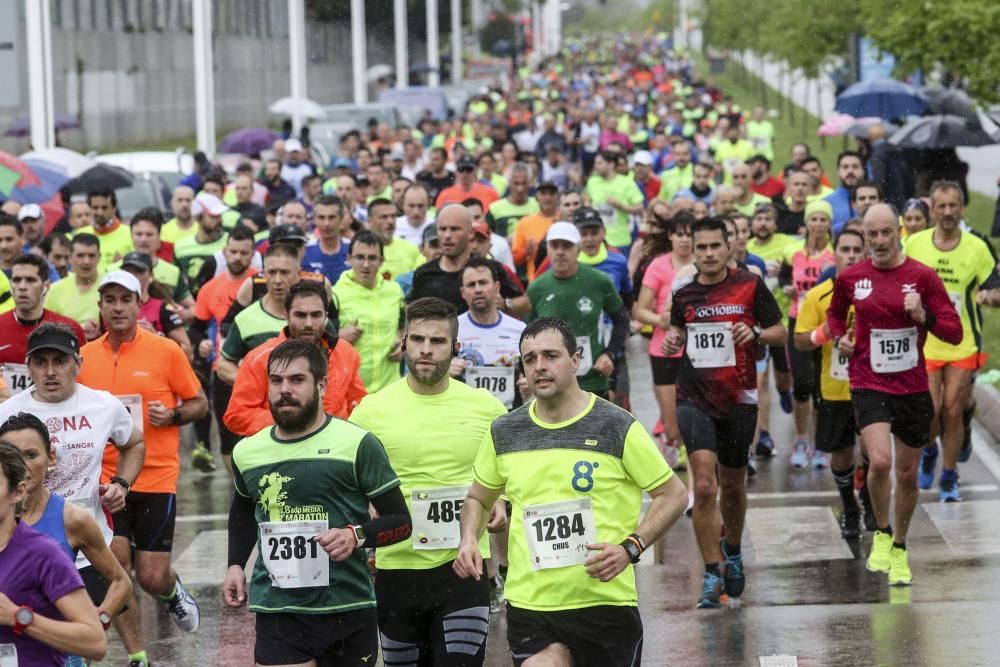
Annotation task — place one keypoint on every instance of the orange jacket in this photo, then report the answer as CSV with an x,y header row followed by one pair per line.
x,y
248,411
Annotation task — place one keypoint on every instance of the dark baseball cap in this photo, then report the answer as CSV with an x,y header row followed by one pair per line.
x,y
53,339
287,232
431,233
139,260
548,185
586,216
465,162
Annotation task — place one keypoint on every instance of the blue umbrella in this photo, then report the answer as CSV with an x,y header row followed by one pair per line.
x,y
249,141
21,127
50,179
885,98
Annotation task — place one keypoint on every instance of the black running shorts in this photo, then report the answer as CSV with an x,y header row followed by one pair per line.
x,y
350,638
836,428
728,437
910,415
602,636
147,521
664,369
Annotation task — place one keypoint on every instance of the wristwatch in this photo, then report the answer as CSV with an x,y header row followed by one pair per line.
x,y
122,482
22,619
175,420
634,545
105,619
756,332
359,535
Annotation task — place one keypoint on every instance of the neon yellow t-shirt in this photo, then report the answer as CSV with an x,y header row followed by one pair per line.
x,y
67,299
773,251
812,315
114,244
172,232
432,442
755,199
616,222
401,257
602,455
963,270
6,296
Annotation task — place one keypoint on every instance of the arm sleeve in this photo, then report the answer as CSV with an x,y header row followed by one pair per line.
x,y
619,331
677,312
510,288
234,347
229,321
181,290
393,522
248,412
765,307
242,529
198,330
169,319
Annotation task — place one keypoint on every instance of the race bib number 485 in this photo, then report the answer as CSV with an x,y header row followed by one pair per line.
x,y
436,514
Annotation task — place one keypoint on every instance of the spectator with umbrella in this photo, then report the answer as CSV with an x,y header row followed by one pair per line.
x,y
888,168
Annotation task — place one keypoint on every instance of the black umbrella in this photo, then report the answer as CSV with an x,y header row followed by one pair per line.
x,y
950,101
941,132
101,177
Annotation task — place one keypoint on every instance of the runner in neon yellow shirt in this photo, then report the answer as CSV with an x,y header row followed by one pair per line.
x,y
615,197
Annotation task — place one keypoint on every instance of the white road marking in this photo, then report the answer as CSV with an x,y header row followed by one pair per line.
x,y
778,661
204,561
786,535
970,528
191,518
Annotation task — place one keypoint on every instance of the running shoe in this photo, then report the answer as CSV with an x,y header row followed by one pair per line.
x,y
201,458
139,663
820,460
786,401
928,462
751,468
850,525
184,608
948,490
965,453
899,568
732,572
879,559
713,594
690,507
496,597
682,456
800,454
765,446
866,506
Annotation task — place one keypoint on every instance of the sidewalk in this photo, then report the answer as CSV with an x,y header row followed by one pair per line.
x,y
984,162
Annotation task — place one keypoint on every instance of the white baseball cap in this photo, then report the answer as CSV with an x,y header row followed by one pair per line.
x,y
563,231
643,157
293,145
122,279
32,211
208,202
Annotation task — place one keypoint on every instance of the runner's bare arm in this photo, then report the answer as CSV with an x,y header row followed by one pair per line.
x,y
85,535
81,633
475,511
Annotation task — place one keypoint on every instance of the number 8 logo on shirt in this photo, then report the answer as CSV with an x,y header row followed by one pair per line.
x,y
583,475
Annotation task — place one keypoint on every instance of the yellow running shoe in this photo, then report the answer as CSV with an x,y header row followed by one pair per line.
x,y
879,559
682,457
899,568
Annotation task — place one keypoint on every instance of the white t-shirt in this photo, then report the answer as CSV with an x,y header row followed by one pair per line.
x,y
500,250
80,428
494,345
590,136
407,232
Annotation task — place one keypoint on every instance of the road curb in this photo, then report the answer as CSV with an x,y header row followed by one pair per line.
x,y
988,408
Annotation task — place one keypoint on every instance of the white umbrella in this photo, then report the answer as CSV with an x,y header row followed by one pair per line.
x,y
297,106
380,71
71,162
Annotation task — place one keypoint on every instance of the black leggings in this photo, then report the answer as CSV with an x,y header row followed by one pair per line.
x,y
803,368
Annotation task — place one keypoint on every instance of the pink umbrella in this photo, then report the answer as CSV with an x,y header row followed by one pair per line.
x,y
836,125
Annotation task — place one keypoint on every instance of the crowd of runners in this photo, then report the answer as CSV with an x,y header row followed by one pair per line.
x,y
413,363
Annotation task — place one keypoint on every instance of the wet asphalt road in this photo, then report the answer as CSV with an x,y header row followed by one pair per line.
x,y
808,600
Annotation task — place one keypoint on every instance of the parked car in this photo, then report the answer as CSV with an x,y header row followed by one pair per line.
x,y
167,168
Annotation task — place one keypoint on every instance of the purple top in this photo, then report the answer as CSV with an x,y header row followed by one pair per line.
x,y
34,571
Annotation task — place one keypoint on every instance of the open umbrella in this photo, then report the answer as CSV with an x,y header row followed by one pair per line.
x,y
941,132
249,141
72,162
885,98
297,106
101,177
859,128
950,101
380,71
22,184
835,125
21,127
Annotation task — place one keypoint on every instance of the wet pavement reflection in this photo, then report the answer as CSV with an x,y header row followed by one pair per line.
x,y
809,600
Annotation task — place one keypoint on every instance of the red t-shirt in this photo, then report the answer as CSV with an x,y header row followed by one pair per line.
x,y
882,325
14,335
770,188
718,386
486,195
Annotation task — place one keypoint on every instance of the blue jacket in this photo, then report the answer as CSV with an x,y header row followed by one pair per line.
x,y
840,200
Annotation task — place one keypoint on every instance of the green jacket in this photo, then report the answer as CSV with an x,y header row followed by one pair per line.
x,y
378,312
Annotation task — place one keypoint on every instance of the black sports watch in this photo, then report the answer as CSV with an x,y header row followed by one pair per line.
x,y
756,332
175,419
634,546
122,482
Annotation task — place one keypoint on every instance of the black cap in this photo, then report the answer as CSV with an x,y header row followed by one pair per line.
x,y
465,162
431,233
49,339
139,260
586,216
548,185
287,232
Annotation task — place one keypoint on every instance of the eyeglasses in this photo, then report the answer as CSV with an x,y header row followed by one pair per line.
x,y
366,259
